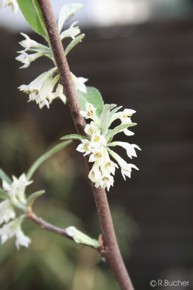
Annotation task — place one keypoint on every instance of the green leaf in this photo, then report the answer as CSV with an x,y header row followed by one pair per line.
x,y
117,130
74,42
73,137
92,96
5,177
67,11
46,156
3,194
32,198
33,15
106,115
81,238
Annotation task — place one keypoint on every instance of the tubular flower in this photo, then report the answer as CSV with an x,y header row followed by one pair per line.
x,y
11,3
12,229
46,87
32,51
100,142
16,191
7,212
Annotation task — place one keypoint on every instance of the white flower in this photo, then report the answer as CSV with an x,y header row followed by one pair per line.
x,y
32,51
124,116
21,239
106,182
26,59
15,198
11,3
89,113
130,148
84,147
12,229
6,211
128,132
59,93
126,168
42,89
109,167
99,142
100,156
32,45
71,32
36,50
46,88
95,174
16,190
91,128
79,83
101,176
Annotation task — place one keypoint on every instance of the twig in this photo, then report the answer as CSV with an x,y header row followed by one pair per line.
x,y
70,232
112,253
47,226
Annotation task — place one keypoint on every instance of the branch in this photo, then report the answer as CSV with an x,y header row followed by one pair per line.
x,y
112,253
47,226
70,233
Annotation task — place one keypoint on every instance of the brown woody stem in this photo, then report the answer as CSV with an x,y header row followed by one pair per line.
x,y
112,253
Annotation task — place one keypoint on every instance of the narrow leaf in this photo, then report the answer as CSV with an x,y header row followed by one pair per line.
x,y
46,156
92,96
33,15
105,116
32,198
67,11
118,129
74,42
4,176
3,194
73,137
81,238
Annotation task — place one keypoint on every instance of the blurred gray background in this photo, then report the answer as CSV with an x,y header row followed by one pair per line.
x,y
139,54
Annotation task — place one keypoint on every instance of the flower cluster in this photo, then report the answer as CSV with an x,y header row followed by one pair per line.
x,y
14,198
32,51
46,87
11,3
99,143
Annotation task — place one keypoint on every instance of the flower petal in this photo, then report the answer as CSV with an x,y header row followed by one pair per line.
x,y
130,148
6,212
11,3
